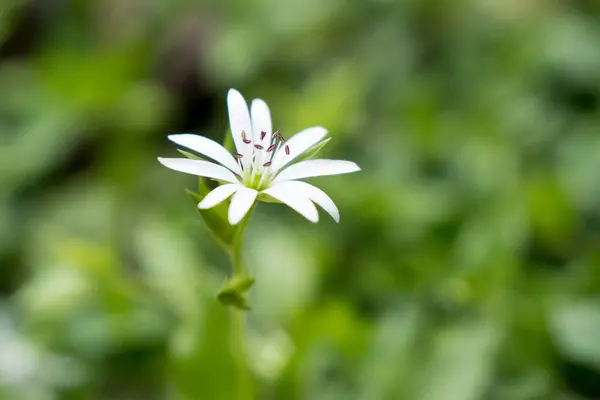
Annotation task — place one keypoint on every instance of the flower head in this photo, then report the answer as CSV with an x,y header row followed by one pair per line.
x,y
260,169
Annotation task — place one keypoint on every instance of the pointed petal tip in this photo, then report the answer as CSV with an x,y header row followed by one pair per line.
x,y
168,161
174,137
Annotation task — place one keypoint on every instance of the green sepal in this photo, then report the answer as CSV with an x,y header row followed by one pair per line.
x,y
228,142
189,155
233,293
314,151
215,218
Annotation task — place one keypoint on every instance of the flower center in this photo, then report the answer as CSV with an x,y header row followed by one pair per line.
x,y
257,174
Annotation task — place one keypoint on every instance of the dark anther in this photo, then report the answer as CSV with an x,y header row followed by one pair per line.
x,y
244,138
258,146
272,147
262,135
277,134
237,155
287,149
268,163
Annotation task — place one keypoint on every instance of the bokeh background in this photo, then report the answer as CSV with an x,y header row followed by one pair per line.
x,y
466,264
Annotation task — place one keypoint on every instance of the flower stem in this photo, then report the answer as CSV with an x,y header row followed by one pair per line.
x,y
238,322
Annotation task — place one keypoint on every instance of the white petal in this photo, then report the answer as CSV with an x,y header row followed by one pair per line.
x,y
294,198
310,168
315,194
200,168
207,147
241,202
239,120
261,122
218,195
297,145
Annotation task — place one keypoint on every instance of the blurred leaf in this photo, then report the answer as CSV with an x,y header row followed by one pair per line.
x,y
575,326
9,16
330,99
388,366
461,362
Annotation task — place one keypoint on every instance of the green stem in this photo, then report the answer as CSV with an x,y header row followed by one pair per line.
x,y
236,254
238,319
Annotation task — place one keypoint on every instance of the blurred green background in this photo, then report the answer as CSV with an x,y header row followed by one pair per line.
x,y
467,262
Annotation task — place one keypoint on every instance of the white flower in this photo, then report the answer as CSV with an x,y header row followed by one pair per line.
x,y
260,169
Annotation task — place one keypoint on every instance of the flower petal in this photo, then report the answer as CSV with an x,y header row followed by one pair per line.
x,y
218,195
261,122
297,145
200,168
318,196
239,121
207,147
295,199
310,168
241,202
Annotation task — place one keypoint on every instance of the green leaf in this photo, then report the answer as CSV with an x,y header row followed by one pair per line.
x,y
234,299
215,217
233,293
239,283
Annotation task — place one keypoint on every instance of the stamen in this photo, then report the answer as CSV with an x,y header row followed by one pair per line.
x,y
272,147
238,155
287,149
244,138
267,164
262,135
277,134
259,147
